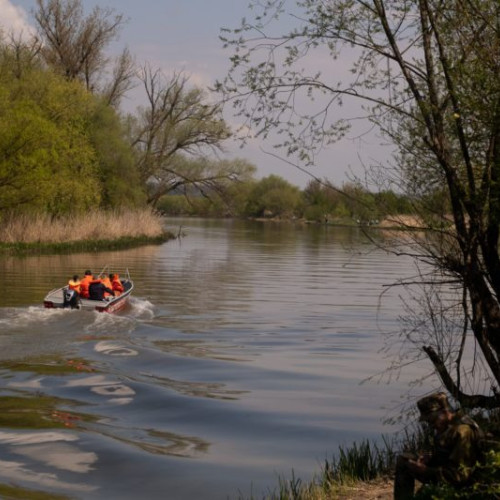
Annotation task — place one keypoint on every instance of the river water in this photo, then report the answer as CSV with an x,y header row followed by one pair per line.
x,y
240,358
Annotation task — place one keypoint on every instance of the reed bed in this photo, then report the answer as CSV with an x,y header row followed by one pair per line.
x,y
92,226
364,471
358,469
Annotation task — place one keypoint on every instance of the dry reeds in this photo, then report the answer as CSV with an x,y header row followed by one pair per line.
x,y
95,225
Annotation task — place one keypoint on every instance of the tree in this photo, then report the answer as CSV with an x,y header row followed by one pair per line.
x,y
323,201
74,45
120,183
273,196
173,135
62,148
195,178
18,55
426,73
46,161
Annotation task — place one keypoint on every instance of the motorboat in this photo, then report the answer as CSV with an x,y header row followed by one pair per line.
x,y
64,298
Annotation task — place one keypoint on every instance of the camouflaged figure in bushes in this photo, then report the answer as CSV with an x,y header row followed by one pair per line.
x,y
455,451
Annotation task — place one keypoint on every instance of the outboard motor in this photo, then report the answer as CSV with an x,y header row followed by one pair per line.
x,y
71,299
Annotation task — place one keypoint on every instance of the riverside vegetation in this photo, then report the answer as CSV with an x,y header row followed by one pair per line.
x,y
364,471
97,230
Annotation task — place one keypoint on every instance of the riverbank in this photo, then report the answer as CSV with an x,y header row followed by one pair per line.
x,y
378,489
91,232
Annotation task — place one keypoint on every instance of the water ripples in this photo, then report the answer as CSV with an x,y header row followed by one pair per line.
x,y
242,350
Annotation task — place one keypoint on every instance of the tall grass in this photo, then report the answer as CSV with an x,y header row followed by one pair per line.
x,y
360,462
367,462
364,461
95,225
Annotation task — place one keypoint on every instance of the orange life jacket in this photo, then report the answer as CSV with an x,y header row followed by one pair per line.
x,y
117,285
107,283
84,286
74,285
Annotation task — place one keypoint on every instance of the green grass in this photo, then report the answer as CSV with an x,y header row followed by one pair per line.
x,y
360,462
365,461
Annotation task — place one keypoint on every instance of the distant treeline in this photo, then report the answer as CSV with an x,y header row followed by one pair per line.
x,y
67,148
274,197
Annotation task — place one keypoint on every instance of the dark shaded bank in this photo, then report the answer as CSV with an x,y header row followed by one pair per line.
x,y
365,471
126,242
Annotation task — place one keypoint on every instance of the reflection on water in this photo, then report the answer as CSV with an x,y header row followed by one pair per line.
x,y
198,389
198,349
163,443
240,357
17,472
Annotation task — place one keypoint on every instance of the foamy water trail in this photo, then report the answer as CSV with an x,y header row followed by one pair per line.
x,y
28,316
141,309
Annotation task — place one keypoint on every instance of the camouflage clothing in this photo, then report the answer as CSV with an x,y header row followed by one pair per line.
x,y
430,406
456,451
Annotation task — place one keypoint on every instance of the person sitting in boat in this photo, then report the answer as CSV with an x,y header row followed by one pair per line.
x,y
84,284
116,284
72,293
74,284
107,283
97,290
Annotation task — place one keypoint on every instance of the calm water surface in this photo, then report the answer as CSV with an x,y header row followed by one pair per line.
x,y
239,359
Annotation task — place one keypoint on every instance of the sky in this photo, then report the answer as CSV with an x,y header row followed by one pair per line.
x,y
183,35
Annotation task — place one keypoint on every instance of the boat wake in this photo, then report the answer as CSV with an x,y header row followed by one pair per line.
x,y
35,320
141,309
114,349
27,316
31,331
110,324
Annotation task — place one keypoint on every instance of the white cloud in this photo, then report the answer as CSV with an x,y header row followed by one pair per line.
x,y
14,20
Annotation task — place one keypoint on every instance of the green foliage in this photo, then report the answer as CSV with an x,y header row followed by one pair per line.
x,y
207,187
485,484
325,202
175,204
46,161
120,182
273,196
390,203
61,149
364,461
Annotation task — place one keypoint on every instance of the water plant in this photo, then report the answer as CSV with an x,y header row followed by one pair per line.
x,y
97,230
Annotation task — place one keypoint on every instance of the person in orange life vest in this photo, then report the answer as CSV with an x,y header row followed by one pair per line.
x,y
84,284
98,290
107,283
116,284
74,284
